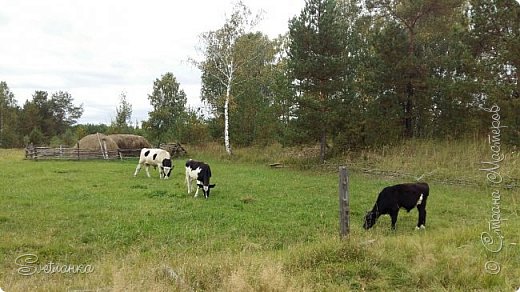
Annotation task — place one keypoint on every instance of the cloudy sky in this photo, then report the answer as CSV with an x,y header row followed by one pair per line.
x,y
97,49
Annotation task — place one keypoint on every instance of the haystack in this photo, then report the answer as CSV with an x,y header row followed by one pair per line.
x,y
128,141
92,142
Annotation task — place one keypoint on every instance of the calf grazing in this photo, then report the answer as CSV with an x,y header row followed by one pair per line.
x,y
391,199
200,171
157,158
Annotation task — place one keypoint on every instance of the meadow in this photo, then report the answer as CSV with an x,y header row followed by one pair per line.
x,y
262,229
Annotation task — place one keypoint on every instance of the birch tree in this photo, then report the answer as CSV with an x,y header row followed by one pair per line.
x,y
221,61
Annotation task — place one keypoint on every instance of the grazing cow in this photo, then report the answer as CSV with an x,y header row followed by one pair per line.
x,y
157,158
392,198
200,171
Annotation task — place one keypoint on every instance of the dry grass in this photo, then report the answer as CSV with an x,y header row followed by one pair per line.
x,y
452,162
128,141
92,142
456,162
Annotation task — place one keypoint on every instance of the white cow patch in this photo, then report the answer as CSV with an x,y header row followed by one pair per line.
x,y
191,175
420,200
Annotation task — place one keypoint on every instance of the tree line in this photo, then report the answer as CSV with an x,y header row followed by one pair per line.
x,y
353,74
348,74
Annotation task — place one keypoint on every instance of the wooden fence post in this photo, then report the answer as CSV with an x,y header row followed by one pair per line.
x,y
105,149
77,147
344,204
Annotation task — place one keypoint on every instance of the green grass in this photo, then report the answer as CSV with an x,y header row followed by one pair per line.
x,y
262,229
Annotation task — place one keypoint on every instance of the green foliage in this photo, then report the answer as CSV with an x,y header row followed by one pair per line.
x,y
87,129
318,61
195,130
122,123
495,42
227,52
168,113
50,117
9,113
63,112
37,137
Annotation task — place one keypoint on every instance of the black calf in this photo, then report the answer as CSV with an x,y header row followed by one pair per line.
x,y
391,199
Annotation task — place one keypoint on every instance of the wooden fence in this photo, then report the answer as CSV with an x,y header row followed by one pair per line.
x,y
75,153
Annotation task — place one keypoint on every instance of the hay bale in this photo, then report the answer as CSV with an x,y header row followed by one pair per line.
x,y
128,141
91,142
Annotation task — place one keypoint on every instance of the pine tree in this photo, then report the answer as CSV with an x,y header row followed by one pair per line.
x,y
317,61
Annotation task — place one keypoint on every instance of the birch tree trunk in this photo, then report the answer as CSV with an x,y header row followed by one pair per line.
x,y
227,145
230,75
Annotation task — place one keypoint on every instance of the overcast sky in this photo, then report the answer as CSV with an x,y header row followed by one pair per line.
x,y
95,50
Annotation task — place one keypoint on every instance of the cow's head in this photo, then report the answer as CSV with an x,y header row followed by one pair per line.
x,y
206,189
370,219
166,168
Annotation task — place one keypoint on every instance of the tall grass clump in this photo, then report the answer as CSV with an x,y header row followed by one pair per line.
x,y
448,161
445,161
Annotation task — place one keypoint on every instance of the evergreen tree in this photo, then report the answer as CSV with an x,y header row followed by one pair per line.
x,y
9,112
411,21
495,42
317,61
168,101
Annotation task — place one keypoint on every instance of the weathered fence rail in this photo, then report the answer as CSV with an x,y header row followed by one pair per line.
x,y
76,153
41,153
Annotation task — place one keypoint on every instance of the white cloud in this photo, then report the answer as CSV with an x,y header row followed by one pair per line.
x,y
97,49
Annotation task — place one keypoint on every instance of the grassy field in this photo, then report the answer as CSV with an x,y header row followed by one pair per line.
x,y
262,229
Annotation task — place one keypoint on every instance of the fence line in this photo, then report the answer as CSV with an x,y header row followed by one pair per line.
x,y
67,153
76,153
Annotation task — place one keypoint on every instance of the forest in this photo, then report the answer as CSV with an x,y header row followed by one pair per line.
x,y
347,75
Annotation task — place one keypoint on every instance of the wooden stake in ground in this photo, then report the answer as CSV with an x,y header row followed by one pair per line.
x,y
344,204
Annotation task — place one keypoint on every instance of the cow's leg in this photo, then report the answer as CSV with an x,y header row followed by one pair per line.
x,y
147,171
137,169
188,183
422,217
161,172
197,191
393,215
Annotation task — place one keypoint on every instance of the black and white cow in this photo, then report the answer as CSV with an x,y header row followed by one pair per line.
x,y
391,199
200,171
157,158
